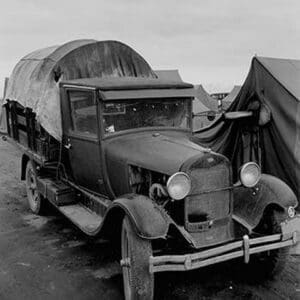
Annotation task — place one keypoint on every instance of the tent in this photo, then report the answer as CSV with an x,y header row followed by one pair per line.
x,y
205,98
232,95
35,79
272,137
3,122
226,102
198,106
202,103
200,121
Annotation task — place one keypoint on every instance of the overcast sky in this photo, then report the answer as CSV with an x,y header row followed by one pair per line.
x,y
210,42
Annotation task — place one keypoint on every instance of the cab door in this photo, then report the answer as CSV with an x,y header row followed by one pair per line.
x,y
82,138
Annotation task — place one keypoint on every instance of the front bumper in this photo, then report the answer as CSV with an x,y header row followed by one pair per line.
x,y
290,236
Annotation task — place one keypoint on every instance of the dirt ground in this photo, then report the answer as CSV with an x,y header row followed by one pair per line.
x,y
48,258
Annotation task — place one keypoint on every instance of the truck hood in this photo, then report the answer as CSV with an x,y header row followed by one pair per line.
x,y
163,152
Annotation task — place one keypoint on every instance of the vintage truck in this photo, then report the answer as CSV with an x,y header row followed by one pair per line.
x,y
124,167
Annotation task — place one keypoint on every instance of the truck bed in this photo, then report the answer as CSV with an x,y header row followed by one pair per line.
x,y
24,129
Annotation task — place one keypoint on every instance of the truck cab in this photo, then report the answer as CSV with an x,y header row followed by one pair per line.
x,y
107,123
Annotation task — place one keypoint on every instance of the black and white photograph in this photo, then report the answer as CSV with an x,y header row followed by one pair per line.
x,y
149,150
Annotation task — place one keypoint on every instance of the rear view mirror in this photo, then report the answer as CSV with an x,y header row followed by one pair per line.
x,y
235,115
210,114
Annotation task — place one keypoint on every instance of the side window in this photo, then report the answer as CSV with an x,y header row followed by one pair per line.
x,y
83,112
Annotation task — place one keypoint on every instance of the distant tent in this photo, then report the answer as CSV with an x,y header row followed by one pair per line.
x,y
168,75
3,122
199,107
3,126
200,121
272,91
219,96
226,102
205,98
232,95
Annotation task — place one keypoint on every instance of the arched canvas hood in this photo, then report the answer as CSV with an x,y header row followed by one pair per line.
x,y
34,80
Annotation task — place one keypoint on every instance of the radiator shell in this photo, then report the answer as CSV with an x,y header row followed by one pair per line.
x,y
208,207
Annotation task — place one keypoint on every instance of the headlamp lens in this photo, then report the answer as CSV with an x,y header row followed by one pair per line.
x,y
291,212
179,185
250,174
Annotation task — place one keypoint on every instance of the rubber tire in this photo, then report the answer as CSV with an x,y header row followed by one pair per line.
x,y
35,200
268,264
137,280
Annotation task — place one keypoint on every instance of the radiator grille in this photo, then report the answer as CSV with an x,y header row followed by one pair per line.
x,y
210,198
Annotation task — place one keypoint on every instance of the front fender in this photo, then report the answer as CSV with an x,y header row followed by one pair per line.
x,y
149,220
250,203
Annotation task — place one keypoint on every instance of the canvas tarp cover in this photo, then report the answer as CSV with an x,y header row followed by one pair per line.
x,y
273,84
172,75
34,82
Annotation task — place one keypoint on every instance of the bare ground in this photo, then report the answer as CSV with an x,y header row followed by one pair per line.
x,y
48,258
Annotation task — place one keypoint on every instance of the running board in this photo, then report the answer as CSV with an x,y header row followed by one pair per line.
x,y
88,221
82,208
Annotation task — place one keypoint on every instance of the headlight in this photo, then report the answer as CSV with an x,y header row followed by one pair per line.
x,y
179,185
250,174
291,212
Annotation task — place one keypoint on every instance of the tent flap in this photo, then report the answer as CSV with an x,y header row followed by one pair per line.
x,y
275,144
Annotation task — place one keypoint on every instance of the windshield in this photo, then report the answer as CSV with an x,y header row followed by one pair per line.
x,y
124,115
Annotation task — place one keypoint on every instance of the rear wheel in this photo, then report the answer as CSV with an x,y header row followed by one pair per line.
x,y
270,263
138,281
35,200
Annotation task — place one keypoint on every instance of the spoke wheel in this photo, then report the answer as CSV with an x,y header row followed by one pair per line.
x,y
268,264
35,200
138,281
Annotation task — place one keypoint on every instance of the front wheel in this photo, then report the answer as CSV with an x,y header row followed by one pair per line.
x,y
35,200
270,263
138,281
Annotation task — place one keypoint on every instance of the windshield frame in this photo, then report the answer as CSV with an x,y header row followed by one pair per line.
x,y
189,128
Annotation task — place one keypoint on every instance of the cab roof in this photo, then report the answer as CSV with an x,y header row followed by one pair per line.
x,y
127,83
121,88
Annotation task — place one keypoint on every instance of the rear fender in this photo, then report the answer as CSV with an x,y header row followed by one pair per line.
x,y
250,203
149,220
